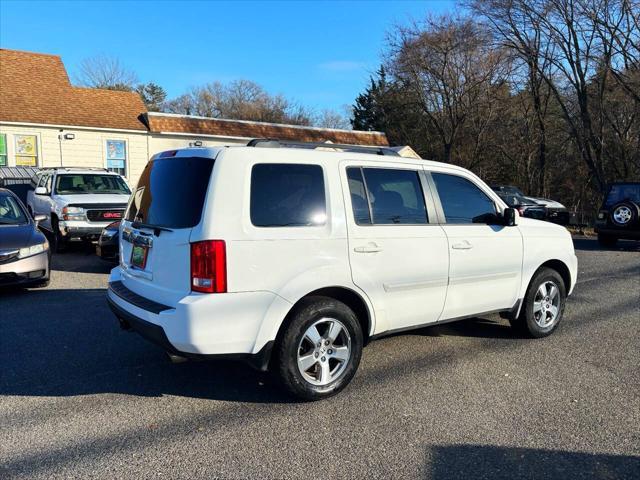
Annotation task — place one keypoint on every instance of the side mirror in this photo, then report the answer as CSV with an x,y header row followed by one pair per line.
x,y
39,218
41,191
510,217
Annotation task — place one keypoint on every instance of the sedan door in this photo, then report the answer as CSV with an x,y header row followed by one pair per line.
x,y
398,258
485,269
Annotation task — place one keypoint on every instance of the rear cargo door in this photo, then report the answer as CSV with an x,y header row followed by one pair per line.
x,y
154,239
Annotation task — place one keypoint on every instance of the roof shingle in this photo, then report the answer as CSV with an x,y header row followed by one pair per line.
x,y
169,123
35,88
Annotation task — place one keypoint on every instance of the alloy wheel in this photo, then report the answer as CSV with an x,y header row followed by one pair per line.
x,y
546,304
324,351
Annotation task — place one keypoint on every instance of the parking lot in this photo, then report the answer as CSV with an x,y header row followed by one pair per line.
x,y
81,398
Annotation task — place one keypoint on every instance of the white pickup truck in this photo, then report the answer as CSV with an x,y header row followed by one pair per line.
x,y
77,202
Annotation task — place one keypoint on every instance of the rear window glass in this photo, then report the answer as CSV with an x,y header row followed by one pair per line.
x,y
620,193
171,192
287,195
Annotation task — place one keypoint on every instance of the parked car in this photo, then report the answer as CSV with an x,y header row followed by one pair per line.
x,y
294,258
619,215
24,250
525,206
77,202
108,247
554,211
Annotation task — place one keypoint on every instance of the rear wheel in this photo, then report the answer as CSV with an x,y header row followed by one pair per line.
x,y
607,240
543,305
319,352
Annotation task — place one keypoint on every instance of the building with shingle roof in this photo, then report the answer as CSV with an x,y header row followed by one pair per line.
x,y
46,121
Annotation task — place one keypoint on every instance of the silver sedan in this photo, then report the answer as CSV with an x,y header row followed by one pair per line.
x,y
24,250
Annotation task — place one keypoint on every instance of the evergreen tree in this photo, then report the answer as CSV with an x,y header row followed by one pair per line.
x,y
369,109
153,96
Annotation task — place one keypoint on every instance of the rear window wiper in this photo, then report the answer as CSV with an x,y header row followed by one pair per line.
x,y
156,229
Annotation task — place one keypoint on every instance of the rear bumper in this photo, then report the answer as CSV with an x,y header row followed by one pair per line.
x,y
155,334
199,325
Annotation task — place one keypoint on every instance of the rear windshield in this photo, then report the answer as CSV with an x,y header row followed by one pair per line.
x,y
90,183
171,192
619,193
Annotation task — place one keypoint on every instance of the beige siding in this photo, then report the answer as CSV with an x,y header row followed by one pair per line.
x,y
87,149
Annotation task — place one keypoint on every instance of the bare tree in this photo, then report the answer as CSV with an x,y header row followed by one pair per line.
x,y
240,100
103,71
332,119
449,65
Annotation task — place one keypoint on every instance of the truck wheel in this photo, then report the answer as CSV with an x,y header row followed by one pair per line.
x,y
607,240
59,243
543,305
320,349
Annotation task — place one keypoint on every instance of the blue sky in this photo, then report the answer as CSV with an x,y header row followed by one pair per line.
x,y
317,53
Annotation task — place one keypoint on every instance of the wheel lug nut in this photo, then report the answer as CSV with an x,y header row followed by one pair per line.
x,y
330,351
323,359
315,354
326,342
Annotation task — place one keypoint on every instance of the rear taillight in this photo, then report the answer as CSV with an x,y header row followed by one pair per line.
x,y
209,266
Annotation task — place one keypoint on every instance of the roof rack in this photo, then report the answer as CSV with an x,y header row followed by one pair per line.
x,y
101,169
276,143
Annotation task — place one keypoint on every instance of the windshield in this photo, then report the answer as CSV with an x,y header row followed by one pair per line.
x,y
11,213
171,192
622,192
79,183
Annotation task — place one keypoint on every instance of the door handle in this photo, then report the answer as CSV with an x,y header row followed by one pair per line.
x,y
464,245
369,248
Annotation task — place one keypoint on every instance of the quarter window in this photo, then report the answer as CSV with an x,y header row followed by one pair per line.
x,y
391,196
462,201
287,195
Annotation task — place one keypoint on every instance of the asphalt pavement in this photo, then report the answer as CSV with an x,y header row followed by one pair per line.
x,y
81,398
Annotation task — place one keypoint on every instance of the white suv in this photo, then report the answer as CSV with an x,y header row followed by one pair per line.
x,y
295,258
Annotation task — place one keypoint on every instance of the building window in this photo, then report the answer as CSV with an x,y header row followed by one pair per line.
x,y
3,150
117,156
26,150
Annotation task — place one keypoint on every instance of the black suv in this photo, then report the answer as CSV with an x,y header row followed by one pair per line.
x,y
619,215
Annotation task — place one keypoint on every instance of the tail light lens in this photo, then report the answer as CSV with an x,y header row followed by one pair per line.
x,y
209,266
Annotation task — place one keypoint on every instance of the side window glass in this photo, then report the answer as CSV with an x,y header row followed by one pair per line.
x,y
395,196
43,180
287,195
359,201
47,183
462,201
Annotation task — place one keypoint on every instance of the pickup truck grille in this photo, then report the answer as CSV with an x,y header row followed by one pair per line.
x,y
104,215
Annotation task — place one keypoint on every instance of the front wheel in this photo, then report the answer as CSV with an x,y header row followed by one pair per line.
x,y
543,305
319,352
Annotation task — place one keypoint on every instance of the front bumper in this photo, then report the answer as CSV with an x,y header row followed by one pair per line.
x,y
25,271
81,229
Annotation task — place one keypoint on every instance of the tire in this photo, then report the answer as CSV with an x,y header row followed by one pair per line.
x,y
330,366
624,214
607,240
59,243
536,320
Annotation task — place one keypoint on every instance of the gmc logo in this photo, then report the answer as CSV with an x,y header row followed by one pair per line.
x,y
112,215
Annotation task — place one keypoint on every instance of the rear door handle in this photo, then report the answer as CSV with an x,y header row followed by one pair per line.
x,y
464,245
369,248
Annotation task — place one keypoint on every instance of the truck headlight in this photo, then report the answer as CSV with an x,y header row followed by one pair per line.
x,y
73,213
33,250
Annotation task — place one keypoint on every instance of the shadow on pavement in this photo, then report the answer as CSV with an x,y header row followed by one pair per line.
x,y
80,257
492,462
591,245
